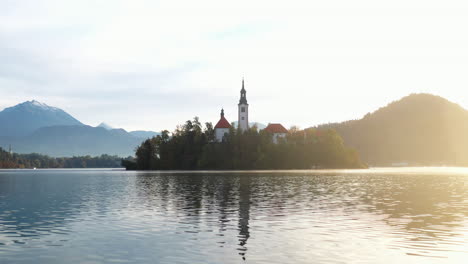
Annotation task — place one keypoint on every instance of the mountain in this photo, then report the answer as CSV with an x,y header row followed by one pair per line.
x,y
144,134
105,126
138,133
260,126
25,118
36,127
420,129
67,141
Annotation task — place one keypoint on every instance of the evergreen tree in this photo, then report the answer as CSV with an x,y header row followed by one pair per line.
x,y
191,148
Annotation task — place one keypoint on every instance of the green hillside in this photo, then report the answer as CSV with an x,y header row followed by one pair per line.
x,y
420,129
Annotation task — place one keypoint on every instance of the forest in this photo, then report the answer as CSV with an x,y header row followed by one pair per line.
x,y
417,130
21,161
192,147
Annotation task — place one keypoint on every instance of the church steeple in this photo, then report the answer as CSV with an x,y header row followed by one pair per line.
x,y
243,109
243,98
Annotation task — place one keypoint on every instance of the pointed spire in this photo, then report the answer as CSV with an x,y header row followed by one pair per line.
x,y
222,112
243,98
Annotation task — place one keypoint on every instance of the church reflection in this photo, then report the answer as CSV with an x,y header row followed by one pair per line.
x,y
220,207
196,198
228,197
244,213
435,206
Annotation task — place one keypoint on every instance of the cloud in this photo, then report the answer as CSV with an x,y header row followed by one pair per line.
x,y
153,64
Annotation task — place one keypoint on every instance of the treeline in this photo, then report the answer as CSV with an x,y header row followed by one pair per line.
x,y
192,147
20,161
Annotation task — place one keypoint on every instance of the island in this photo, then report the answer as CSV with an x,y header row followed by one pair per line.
x,y
225,146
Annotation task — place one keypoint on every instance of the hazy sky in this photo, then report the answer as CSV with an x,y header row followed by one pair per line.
x,y
151,64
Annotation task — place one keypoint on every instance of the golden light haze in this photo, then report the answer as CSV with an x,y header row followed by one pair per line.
x,y
149,64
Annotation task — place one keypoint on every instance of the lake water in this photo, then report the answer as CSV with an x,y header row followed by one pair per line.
x,y
367,216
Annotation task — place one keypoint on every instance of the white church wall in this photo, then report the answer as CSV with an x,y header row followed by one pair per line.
x,y
220,132
277,136
243,117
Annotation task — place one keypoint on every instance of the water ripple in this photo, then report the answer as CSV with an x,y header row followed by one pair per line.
x,y
375,216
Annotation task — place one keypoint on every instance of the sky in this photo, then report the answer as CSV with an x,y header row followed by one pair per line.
x,y
150,65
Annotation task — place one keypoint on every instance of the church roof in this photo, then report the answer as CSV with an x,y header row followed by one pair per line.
x,y
276,128
223,123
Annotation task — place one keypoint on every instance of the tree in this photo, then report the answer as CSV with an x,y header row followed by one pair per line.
x,y
191,147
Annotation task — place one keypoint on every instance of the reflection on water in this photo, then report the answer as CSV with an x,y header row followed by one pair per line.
x,y
375,216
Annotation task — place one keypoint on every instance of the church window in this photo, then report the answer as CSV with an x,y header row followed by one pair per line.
x,y
243,109
242,118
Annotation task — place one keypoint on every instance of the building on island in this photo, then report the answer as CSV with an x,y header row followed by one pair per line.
x,y
223,126
277,130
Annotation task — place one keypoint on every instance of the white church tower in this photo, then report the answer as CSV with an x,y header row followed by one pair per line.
x,y
243,110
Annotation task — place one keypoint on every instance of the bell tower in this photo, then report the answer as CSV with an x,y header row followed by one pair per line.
x,y
243,110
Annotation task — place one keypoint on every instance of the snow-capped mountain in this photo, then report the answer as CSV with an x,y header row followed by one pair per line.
x,y
105,126
25,118
34,127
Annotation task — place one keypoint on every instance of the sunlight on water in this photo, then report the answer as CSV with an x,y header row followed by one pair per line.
x,y
382,215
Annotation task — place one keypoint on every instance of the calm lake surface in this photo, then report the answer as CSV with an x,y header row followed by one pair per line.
x,y
408,215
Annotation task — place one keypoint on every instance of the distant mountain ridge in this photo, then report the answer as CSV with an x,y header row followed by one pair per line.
x,y
67,141
25,118
144,134
34,127
105,126
419,129
138,133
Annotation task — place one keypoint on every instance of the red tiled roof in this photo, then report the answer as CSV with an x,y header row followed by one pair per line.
x,y
223,123
276,128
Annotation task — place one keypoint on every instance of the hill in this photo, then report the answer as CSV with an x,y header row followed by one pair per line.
x,y
420,129
25,118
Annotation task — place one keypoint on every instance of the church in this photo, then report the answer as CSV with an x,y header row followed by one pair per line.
x,y
223,126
